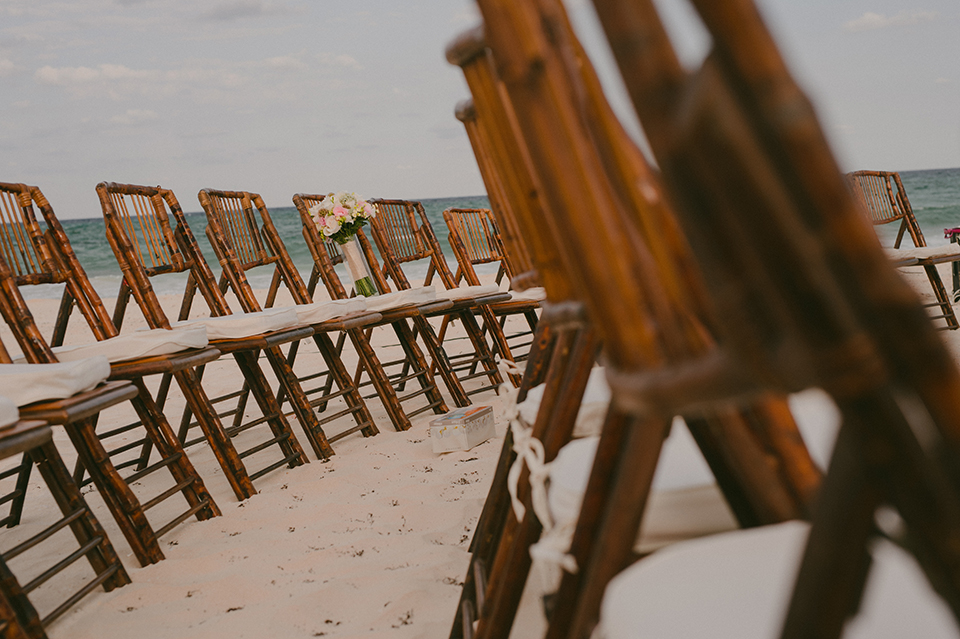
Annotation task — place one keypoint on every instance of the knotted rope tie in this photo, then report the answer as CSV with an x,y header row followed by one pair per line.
x,y
554,543
529,450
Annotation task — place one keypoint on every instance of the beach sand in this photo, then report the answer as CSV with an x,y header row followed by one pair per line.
x,y
371,543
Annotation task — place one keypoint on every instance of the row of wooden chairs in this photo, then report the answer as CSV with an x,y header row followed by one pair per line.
x,y
150,236
785,287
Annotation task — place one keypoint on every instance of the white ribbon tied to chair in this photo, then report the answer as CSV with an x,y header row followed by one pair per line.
x,y
553,544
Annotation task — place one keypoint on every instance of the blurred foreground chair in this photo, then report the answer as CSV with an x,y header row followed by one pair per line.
x,y
141,232
403,235
242,242
885,200
475,239
45,256
803,297
397,309
760,463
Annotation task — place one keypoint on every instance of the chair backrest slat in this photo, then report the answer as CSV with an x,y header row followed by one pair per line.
x,y
884,199
244,237
234,213
21,238
404,234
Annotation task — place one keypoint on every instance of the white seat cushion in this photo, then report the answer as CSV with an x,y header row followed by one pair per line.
x,y
467,291
532,294
318,312
738,584
27,383
593,407
401,299
685,501
8,412
240,325
137,344
924,252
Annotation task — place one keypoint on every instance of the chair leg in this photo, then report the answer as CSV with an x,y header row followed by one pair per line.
x,y
18,617
19,492
123,504
428,382
351,395
279,426
440,360
481,347
385,390
103,558
943,300
165,442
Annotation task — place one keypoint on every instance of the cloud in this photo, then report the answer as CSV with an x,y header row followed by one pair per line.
x,y
943,81
285,62
238,9
65,76
345,60
7,67
135,116
870,21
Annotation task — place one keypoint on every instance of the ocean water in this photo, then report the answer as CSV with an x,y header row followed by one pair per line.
x,y
88,238
934,195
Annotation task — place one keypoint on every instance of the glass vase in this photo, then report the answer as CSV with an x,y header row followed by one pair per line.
x,y
359,270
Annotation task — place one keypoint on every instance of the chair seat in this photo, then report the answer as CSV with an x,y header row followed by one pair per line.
x,y
401,299
9,413
944,253
464,292
308,314
685,502
240,325
593,406
532,294
27,383
137,344
738,584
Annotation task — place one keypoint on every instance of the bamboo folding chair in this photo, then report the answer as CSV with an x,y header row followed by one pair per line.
x,y
475,238
242,244
737,446
140,232
35,440
403,235
326,255
802,294
564,351
884,199
45,256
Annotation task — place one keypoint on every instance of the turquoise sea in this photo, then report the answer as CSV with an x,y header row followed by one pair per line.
x,y
934,195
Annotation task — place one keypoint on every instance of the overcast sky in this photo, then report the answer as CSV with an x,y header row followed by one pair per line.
x,y
286,96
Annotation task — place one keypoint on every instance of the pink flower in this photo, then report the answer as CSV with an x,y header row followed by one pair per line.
x,y
339,212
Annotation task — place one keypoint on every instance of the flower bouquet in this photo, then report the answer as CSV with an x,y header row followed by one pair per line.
x,y
339,216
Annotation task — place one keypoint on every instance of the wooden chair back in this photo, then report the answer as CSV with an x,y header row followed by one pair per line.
x,y
150,236
475,239
885,200
403,234
244,237
40,253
